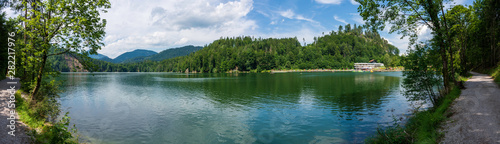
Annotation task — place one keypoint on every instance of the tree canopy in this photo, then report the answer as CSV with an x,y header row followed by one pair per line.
x,y
55,27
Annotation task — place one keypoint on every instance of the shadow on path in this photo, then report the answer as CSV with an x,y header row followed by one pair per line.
x,y
476,113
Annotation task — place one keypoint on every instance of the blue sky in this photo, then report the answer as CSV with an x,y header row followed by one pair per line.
x,y
161,24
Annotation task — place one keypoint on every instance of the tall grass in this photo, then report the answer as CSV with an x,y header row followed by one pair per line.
x,y
44,132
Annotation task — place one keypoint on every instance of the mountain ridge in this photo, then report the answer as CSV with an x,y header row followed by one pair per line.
x,y
133,54
130,57
166,54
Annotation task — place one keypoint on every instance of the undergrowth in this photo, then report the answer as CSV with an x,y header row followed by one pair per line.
x,y
493,72
42,131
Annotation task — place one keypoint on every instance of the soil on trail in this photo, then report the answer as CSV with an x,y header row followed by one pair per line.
x,y
475,114
20,128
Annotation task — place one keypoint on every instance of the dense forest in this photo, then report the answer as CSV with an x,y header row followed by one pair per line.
x,y
3,45
340,49
335,50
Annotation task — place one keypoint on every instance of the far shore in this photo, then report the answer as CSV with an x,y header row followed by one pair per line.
x,y
277,71
334,70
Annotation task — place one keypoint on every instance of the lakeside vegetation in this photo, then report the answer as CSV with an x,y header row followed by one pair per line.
x,y
53,132
421,127
44,29
465,38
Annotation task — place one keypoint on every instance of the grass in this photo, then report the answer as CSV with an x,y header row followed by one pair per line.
x,y
421,128
495,73
42,131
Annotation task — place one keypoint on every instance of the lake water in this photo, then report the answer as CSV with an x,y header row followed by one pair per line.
x,y
340,107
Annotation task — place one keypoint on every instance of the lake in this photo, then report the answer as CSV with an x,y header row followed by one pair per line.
x,y
339,107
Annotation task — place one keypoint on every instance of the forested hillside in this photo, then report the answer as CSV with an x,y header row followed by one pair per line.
x,y
133,54
337,49
166,54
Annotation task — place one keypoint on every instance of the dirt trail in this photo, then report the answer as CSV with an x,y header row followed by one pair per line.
x,y
20,135
476,113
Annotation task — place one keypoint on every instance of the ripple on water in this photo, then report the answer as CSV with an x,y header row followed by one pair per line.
x,y
246,108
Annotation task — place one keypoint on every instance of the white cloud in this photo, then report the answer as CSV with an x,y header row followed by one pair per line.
x,y
158,25
354,2
388,41
358,19
291,15
305,32
9,13
182,41
339,19
424,33
329,1
300,17
395,40
288,13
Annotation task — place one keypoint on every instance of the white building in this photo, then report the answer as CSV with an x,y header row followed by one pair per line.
x,y
367,66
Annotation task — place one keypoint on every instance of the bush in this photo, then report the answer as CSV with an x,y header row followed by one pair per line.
x,y
42,114
59,133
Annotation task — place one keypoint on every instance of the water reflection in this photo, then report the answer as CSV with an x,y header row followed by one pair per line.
x,y
229,108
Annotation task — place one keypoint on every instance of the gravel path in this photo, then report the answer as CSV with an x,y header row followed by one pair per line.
x,y
20,135
475,114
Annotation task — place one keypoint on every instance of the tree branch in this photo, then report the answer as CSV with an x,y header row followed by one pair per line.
x,y
66,51
419,15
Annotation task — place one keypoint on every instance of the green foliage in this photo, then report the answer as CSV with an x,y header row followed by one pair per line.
x,y
331,51
421,79
6,26
493,72
48,28
496,74
35,116
483,35
58,133
26,113
3,44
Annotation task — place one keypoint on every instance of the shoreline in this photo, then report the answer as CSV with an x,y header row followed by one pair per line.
x,y
273,71
331,70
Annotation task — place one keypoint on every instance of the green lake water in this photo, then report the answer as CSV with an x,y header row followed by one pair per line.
x,y
340,107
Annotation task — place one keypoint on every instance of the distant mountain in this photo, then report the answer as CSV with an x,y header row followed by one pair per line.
x,y
133,54
101,57
166,54
97,56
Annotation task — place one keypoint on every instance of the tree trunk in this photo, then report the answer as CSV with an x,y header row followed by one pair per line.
x,y
39,77
451,63
446,80
448,42
463,57
432,9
